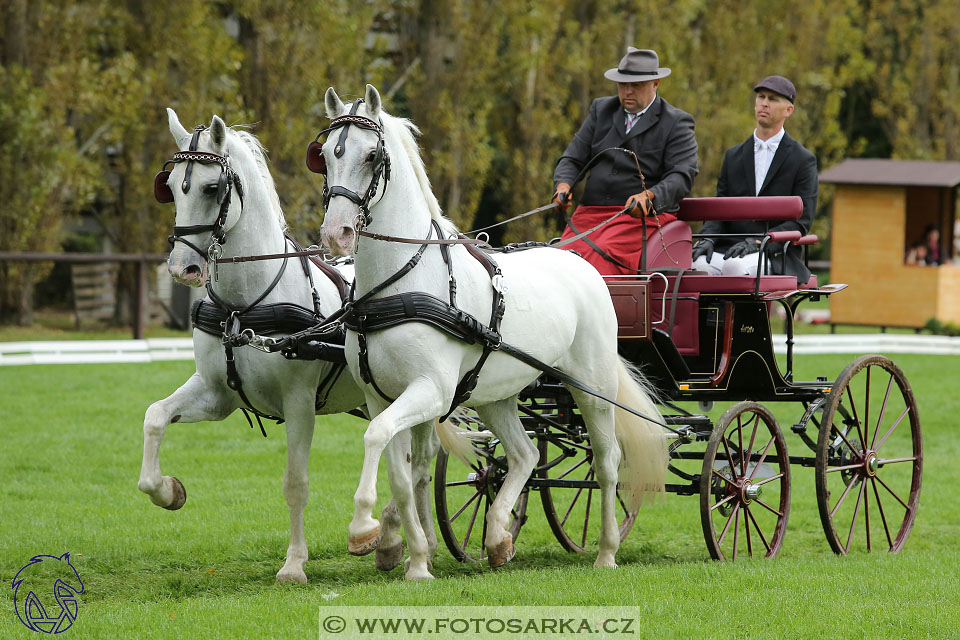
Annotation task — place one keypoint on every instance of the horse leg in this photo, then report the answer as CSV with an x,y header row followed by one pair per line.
x,y
417,404
194,401
522,456
424,446
296,485
599,419
398,458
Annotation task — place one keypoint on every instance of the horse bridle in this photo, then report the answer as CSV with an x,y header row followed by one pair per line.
x,y
381,161
228,178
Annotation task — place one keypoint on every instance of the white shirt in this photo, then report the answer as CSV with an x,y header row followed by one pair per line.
x,y
763,152
633,117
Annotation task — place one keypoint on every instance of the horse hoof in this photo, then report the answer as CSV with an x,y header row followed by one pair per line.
x,y
291,576
502,553
363,544
389,559
179,495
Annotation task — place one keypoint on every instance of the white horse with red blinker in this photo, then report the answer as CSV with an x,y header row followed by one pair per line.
x,y
557,309
250,223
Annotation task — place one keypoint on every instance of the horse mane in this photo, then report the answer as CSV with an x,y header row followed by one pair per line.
x,y
259,154
403,132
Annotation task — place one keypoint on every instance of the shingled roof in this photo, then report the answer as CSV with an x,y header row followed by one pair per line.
x,y
912,173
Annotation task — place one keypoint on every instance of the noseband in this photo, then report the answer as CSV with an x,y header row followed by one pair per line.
x,y
381,161
228,178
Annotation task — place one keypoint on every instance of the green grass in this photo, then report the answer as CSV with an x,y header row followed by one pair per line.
x,y
50,324
72,442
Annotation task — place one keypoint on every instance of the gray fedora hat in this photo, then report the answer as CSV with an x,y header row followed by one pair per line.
x,y
638,65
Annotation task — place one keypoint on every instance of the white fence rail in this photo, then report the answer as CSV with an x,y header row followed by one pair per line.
x,y
160,349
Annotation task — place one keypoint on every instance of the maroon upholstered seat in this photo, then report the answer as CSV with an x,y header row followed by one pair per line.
x,y
671,246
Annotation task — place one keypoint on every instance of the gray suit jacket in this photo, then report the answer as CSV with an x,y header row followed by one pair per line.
x,y
793,172
663,140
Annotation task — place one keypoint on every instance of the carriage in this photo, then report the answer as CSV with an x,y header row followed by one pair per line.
x,y
700,339
705,339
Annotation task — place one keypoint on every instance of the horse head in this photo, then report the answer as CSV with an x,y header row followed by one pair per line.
x,y
32,586
355,164
208,194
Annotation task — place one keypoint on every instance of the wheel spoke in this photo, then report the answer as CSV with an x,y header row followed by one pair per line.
x,y
459,483
465,505
757,527
883,517
892,492
736,533
575,498
856,512
884,463
586,519
844,467
753,437
736,509
723,477
763,457
766,480
574,467
746,528
724,501
768,507
473,521
844,438
836,507
883,411
866,512
743,464
856,418
726,448
890,430
866,412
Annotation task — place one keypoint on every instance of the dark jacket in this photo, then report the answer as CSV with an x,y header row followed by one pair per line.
x,y
663,140
793,172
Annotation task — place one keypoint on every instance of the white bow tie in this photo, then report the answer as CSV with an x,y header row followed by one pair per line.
x,y
764,145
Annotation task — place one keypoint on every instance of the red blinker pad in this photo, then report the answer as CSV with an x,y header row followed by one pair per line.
x,y
315,160
161,189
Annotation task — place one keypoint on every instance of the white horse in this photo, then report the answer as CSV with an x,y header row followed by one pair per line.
x,y
558,310
251,223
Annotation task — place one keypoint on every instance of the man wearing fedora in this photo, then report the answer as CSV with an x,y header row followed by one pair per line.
x,y
663,140
768,163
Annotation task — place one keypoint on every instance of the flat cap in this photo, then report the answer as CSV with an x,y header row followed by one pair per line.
x,y
778,84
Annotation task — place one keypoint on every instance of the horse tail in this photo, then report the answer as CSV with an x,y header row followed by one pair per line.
x,y
643,443
458,441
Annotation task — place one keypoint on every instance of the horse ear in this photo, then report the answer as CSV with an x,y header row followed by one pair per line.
x,y
180,135
333,103
372,100
218,132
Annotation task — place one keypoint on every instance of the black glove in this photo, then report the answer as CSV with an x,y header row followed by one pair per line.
x,y
742,248
703,249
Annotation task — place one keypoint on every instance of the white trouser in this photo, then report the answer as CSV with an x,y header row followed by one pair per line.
x,y
745,266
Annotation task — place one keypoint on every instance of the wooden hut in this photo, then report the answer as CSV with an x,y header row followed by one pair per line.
x,y
882,209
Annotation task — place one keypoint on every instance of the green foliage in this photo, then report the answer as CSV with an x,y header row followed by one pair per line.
x,y
947,328
498,91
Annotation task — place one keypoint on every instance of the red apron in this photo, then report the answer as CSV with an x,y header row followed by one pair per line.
x,y
620,239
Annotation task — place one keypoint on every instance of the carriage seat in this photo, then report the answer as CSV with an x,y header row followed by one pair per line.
x,y
670,247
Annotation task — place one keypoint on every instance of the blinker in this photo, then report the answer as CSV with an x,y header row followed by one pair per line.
x,y
161,190
315,160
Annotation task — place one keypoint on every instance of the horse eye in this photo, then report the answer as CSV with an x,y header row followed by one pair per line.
x,y
371,156
210,189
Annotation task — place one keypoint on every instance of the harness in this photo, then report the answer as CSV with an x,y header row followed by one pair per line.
x,y
228,178
365,314
237,326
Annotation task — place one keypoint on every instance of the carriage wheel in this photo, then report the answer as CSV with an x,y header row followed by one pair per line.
x,y
463,496
745,485
869,458
573,511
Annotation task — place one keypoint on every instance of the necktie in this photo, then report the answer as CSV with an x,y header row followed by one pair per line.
x,y
762,157
632,120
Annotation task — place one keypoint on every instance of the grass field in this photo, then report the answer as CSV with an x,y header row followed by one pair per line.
x,y
70,458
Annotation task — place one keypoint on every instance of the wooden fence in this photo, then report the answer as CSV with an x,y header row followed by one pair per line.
x,y
91,298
